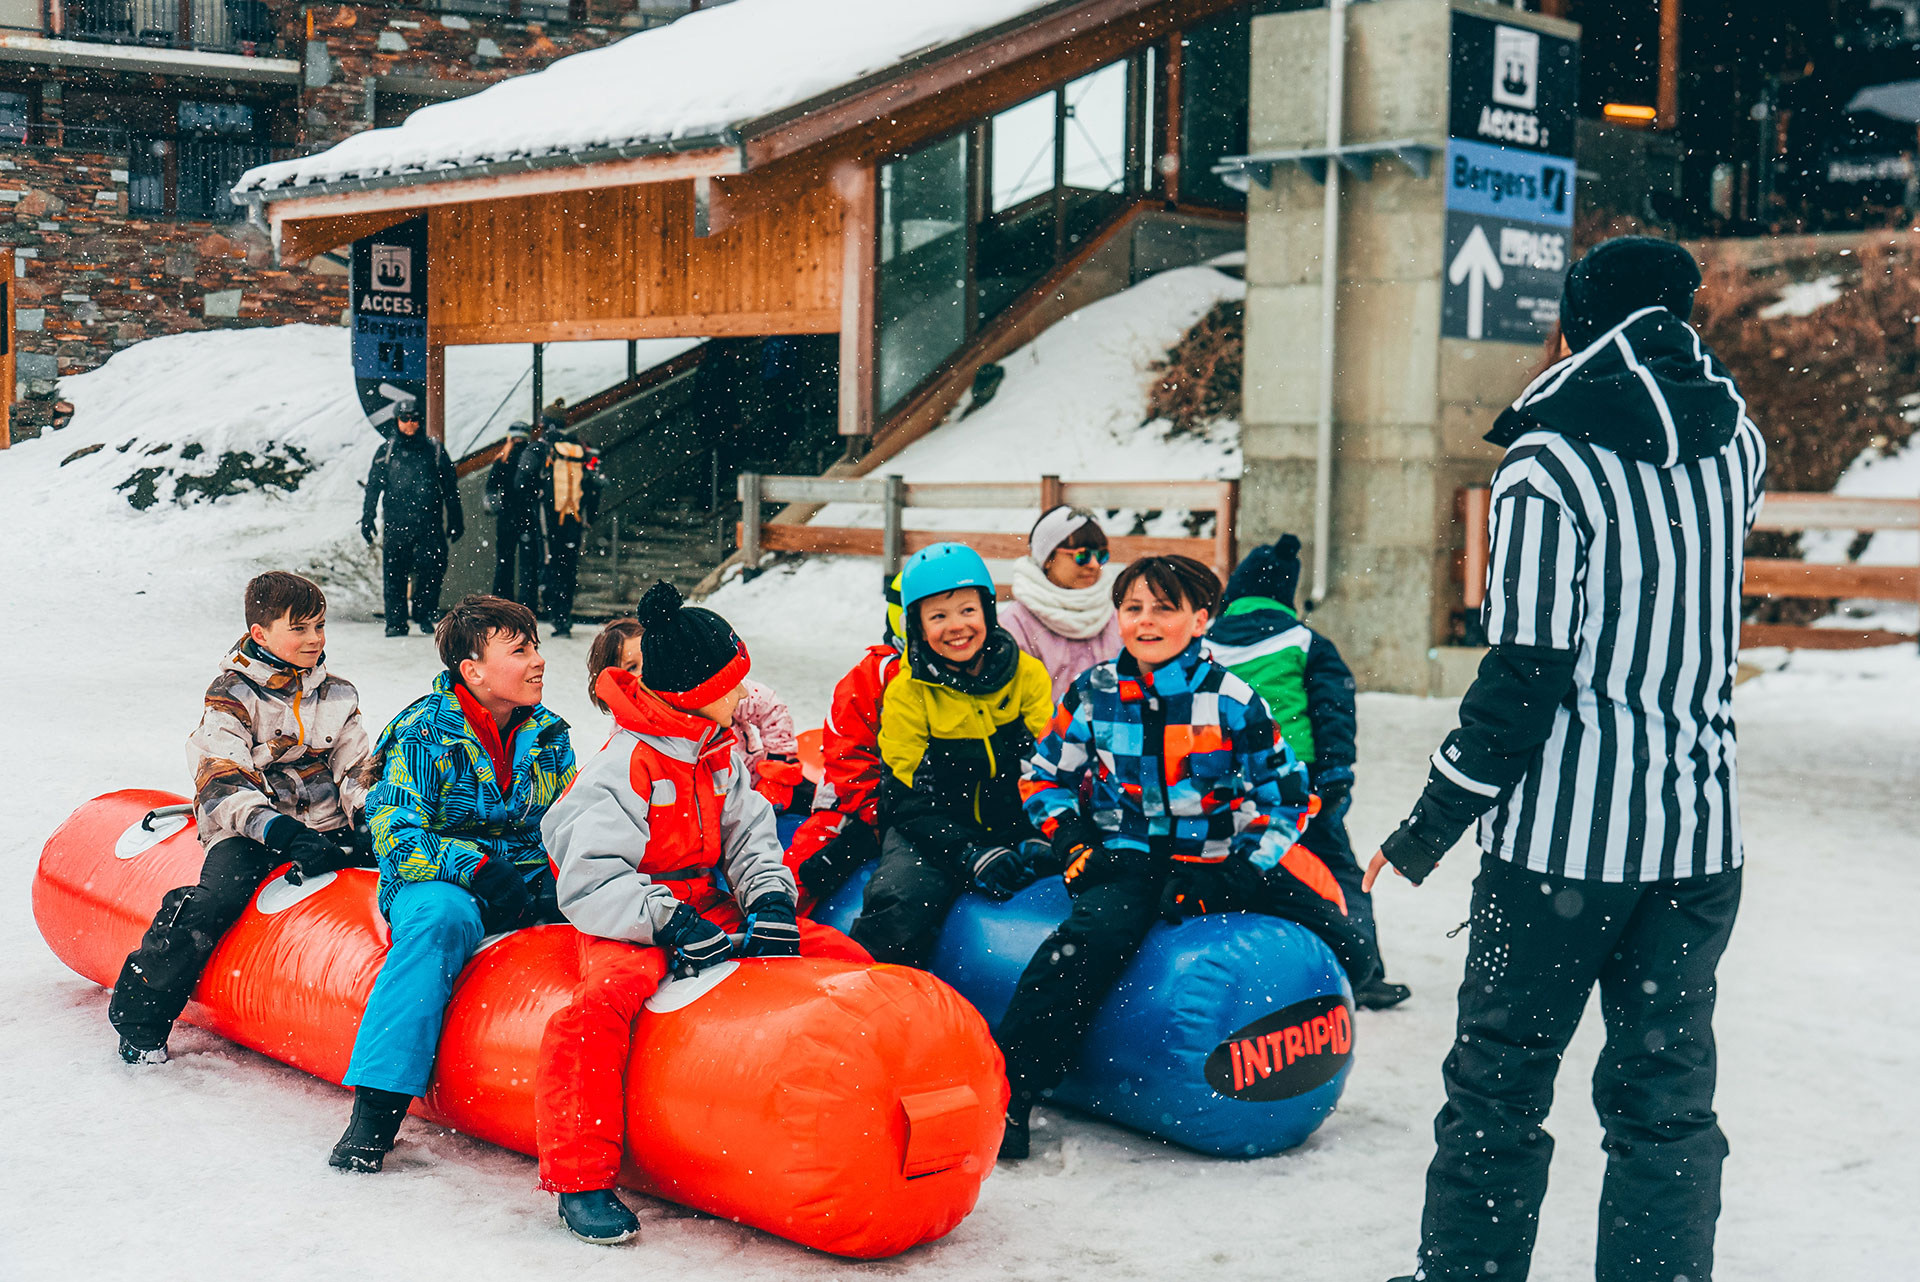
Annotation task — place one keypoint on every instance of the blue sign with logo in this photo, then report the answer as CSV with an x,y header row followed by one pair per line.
x,y
1504,182
389,284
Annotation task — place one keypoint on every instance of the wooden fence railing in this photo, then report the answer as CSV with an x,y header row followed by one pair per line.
x,y
894,541
1768,577
1776,577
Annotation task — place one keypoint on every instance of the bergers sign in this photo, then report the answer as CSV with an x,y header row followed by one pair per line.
x,y
389,283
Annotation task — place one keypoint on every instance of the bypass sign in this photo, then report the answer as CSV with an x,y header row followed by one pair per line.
x,y
1503,280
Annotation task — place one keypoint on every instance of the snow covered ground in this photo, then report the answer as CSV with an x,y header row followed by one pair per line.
x,y
214,1165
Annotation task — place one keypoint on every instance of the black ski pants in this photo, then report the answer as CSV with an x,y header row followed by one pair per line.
x,y
1539,944
563,571
159,976
906,903
1326,836
511,545
419,558
1072,972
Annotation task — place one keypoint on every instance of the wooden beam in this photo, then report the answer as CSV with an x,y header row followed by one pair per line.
x,y
859,247
1796,638
661,167
436,423
1836,512
692,325
844,540
297,242
9,361
1668,104
911,105
1771,578
1167,163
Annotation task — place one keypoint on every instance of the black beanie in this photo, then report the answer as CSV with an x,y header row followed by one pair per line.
x,y
688,656
1271,572
1618,277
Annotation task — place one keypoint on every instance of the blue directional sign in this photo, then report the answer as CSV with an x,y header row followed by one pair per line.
x,y
389,297
1505,182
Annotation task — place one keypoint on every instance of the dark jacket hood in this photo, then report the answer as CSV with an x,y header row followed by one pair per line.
x,y
1647,389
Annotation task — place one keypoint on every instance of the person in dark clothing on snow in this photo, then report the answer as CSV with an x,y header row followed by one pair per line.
x,y
516,512
1596,748
1309,691
416,477
562,478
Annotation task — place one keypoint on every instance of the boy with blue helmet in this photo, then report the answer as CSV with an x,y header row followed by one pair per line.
x,y
958,718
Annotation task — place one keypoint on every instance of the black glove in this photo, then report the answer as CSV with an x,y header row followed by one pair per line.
x,y
999,872
1333,786
833,865
1193,889
692,942
773,928
1074,846
311,853
503,895
366,529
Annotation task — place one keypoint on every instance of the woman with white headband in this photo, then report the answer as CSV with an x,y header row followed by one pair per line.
x,y
1062,607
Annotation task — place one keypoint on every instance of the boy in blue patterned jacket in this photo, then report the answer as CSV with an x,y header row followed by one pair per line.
x,y
463,778
1196,803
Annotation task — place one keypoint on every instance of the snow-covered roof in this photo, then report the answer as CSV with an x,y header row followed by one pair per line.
x,y
696,79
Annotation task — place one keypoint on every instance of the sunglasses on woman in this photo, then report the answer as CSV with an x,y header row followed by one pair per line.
x,y
1083,555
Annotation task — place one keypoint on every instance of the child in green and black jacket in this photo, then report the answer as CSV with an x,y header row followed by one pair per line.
x,y
1309,691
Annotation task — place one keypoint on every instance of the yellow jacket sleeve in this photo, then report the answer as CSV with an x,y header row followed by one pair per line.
x,y
903,727
1036,696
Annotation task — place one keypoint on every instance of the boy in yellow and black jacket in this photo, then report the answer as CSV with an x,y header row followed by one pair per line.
x,y
958,719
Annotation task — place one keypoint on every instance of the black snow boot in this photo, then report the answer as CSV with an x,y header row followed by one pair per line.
x,y
369,1135
399,631
1016,1141
135,1054
1378,994
598,1217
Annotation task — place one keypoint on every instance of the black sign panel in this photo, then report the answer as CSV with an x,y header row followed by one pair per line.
x,y
1504,278
389,283
1513,86
1284,1054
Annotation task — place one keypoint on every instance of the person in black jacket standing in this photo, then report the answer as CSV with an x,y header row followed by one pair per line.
x,y
412,471
516,510
561,478
1596,749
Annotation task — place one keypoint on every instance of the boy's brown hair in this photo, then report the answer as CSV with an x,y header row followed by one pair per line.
x,y
277,593
1175,580
605,653
463,631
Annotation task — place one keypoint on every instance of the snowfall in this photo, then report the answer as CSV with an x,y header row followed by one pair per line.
x,y
213,1165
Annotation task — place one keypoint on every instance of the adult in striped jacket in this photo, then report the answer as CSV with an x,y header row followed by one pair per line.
x,y
1596,750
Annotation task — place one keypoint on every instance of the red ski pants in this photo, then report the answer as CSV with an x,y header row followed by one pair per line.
x,y
580,1107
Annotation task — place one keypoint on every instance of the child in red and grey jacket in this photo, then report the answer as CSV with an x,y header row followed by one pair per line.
x,y
634,845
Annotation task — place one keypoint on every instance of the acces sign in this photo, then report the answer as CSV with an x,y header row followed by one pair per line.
x,y
1284,1054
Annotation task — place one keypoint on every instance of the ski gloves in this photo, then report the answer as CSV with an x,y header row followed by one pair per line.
x,y
1001,872
773,929
505,900
313,853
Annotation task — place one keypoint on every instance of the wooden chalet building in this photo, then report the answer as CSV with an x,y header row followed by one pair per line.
x,y
931,183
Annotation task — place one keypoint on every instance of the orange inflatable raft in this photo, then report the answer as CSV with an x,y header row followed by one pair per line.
x,y
853,1109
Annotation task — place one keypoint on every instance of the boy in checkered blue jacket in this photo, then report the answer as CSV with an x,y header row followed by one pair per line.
x,y
1195,806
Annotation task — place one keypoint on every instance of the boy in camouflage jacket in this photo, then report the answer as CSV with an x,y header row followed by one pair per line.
x,y
276,761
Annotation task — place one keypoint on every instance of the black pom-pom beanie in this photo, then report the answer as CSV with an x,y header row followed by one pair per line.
x,y
1268,571
1618,277
688,656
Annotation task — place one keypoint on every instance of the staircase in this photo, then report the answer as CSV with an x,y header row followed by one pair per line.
x,y
679,541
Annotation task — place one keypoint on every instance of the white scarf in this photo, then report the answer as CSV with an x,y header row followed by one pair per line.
x,y
1079,614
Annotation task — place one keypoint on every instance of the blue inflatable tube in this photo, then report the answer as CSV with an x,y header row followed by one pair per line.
x,y
1230,1034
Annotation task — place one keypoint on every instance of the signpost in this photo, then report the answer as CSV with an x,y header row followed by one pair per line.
x,y
1509,180
389,282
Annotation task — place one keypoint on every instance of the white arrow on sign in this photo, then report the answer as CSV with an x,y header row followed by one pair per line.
x,y
1479,267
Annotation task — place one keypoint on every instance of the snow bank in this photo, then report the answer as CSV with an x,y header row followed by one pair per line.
x,y
700,75
218,454
1804,297
1073,404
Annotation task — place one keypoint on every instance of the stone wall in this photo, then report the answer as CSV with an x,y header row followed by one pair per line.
x,y
89,280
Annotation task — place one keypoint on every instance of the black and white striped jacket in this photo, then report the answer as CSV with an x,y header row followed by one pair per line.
x,y
1598,740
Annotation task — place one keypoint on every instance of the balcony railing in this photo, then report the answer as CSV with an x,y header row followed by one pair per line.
x,y
225,26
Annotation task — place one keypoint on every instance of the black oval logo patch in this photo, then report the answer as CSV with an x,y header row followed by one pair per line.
x,y
1284,1054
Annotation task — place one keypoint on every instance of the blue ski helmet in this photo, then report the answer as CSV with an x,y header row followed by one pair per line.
x,y
944,567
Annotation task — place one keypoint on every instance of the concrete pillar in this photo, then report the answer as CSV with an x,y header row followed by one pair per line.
x,y
1410,406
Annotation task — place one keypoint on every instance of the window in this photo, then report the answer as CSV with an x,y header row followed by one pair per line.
x,y
923,265
16,112
1096,129
1021,144
215,147
1213,106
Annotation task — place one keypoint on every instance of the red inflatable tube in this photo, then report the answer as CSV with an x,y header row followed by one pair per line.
x,y
853,1109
